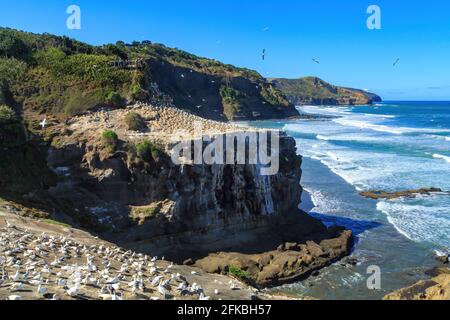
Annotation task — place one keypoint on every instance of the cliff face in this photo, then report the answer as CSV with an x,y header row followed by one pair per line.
x,y
153,200
315,91
217,95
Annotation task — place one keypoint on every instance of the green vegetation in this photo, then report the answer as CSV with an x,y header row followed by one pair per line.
x,y
56,75
134,121
6,114
147,151
309,87
110,140
56,223
79,102
313,88
273,96
141,214
239,273
230,100
114,99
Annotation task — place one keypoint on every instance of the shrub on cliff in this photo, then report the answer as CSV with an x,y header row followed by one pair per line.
x,y
230,100
110,140
6,114
238,273
134,121
147,151
79,102
114,99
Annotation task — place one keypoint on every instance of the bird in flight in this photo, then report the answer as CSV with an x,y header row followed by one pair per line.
x,y
43,123
265,29
396,61
316,61
264,54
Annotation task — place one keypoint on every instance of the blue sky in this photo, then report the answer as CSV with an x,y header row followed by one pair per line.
x,y
292,32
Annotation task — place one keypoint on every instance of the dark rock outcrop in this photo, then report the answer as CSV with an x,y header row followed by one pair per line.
x,y
401,194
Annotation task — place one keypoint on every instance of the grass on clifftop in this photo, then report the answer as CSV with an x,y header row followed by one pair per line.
x,y
239,273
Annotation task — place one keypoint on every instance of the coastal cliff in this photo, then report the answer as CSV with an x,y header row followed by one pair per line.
x,y
87,132
130,192
315,91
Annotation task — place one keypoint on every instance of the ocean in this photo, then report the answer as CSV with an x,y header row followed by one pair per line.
x,y
390,146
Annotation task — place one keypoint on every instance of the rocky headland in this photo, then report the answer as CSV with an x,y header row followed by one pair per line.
x,y
315,91
380,194
436,288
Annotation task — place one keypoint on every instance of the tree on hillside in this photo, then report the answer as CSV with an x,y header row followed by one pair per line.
x,y
11,46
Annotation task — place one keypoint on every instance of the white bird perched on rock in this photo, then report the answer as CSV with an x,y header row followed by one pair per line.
x,y
17,276
203,297
61,282
156,280
73,291
216,292
35,282
9,224
14,297
162,291
41,291
17,286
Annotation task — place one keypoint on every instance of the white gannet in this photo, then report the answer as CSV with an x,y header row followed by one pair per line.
x,y
43,123
73,291
17,286
156,280
14,297
162,291
41,291
203,297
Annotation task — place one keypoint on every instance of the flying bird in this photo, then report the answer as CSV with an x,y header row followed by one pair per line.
x,y
265,29
316,61
264,54
43,123
396,61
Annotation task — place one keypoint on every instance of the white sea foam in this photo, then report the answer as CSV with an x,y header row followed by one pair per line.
x,y
404,158
440,156
322,137
384,128
420,219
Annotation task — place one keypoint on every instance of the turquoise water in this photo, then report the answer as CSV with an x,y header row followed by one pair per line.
x,y
390,146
